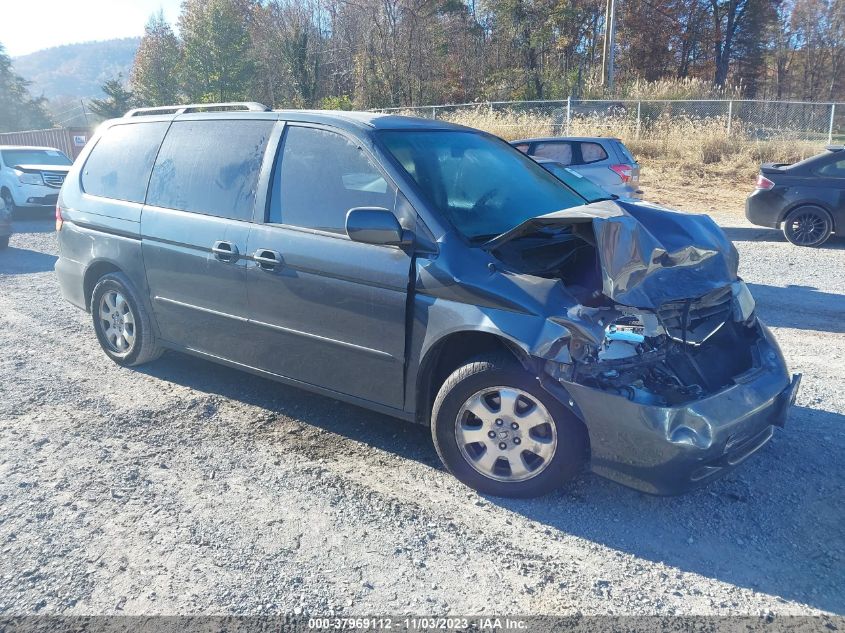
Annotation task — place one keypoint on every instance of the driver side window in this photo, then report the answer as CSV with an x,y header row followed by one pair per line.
x,y
319,176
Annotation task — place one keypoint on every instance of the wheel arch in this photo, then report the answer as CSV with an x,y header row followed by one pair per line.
x,y
96,271
809,203
450,352
6,189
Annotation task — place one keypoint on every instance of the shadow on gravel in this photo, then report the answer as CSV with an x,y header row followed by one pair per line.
x,y
20,261
34,226
775,525
800,307
405,439
762,234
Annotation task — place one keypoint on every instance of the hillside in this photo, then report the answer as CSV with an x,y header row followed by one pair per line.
x,y
76,70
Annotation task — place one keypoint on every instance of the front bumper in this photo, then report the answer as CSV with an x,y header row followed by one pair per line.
x,y
35,196
49,200
669,450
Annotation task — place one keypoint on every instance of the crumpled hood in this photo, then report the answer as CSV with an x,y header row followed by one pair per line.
x,y
648,255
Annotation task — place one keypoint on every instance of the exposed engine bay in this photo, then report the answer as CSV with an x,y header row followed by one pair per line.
x,y
637,332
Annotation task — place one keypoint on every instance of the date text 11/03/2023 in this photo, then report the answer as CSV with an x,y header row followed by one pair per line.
x,y
418,623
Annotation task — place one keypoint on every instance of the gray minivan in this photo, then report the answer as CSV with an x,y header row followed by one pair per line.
x,y
431,272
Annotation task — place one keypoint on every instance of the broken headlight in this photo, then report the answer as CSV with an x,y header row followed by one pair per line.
x,y
743,301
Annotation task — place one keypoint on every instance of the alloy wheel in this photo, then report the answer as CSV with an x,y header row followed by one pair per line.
x,y
506,434
807,228
117,322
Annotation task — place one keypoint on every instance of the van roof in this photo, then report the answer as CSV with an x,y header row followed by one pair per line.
x,y
358,119
377,120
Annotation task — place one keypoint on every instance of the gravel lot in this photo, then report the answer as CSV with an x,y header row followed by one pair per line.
x,y
188,488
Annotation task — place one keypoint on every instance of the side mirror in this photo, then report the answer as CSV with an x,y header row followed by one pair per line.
x,y
375,225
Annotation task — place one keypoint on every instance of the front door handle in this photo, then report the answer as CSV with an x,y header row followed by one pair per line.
x,y
225,251
267,259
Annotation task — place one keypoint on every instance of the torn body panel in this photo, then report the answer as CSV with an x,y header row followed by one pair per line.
x,y
633,317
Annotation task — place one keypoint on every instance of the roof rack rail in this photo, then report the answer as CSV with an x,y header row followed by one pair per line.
x,y
250,106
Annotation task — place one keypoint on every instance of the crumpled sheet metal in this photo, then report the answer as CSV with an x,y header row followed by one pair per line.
x,y
650,255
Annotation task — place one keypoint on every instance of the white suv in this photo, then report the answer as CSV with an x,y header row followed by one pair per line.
x,y
30,177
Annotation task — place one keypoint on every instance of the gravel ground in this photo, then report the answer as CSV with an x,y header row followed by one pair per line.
x,y
187,488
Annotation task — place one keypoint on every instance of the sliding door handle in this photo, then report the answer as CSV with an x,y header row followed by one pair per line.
x,y
267,259
225,251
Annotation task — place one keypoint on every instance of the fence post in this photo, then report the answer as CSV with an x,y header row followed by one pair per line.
x,y
639,103
568,113
433,112
730,115
830,127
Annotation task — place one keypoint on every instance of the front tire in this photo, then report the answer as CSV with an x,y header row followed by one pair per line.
x,y
123,326
9,201
498,431
807,226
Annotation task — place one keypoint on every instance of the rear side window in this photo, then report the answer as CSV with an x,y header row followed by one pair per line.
x,y
210,167
321,176
628,156
833,170
522,147
592,153
119,165
558,152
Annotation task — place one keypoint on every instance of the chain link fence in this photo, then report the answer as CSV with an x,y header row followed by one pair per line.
x,y
656,120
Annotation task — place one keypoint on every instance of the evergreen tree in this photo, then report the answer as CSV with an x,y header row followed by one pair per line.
x,y
118,100
154,77
217,62
18,109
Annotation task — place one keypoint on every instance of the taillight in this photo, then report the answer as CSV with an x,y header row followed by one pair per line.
x,y
59,218
764,183
623,171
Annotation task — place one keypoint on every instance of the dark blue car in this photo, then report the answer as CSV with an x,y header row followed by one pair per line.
x,y
805,199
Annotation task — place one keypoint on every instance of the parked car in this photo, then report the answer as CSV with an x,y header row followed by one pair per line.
x,y
30,177
605,161
806,199
5,225
585,187
431,272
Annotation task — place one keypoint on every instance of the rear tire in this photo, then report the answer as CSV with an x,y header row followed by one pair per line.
x,y
122,323
807,226
522,443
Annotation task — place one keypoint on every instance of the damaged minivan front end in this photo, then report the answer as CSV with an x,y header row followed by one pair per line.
x,y
642,328
667,364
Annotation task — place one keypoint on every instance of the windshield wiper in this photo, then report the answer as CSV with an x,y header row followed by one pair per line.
x,y
483,238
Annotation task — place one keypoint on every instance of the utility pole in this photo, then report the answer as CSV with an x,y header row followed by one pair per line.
x,y
608,50
611,46
84,112
604,42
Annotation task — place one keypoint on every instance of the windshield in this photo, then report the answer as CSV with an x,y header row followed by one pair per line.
x,y
481,184
583,186
12,157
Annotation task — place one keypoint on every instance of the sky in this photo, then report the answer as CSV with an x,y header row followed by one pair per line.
x,y
27,26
